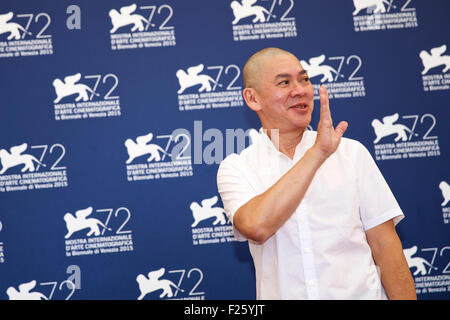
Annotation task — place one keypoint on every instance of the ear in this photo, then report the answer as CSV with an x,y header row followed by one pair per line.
x,y
251,98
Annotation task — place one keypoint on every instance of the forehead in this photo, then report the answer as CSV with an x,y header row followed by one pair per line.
x,y
281,64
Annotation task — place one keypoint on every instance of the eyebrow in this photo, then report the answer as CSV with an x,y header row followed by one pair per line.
x,y
286,75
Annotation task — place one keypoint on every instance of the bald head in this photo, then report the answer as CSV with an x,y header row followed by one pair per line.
x,y
254,66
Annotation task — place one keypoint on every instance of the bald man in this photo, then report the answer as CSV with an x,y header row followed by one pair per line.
x,y
317,213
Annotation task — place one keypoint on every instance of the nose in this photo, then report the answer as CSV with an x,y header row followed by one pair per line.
x,y
298,89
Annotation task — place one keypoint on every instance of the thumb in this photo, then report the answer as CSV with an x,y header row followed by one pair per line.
x,y
341,127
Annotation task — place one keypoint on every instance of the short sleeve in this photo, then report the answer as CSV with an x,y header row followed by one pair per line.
x,y
377,203
233,188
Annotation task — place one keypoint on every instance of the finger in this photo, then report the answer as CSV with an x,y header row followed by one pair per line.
x,y
324,103
341,127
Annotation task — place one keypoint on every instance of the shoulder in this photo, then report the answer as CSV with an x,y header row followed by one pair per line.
x,y
352,147
235,160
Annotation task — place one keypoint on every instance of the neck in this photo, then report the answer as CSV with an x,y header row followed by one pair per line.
x,y
285,141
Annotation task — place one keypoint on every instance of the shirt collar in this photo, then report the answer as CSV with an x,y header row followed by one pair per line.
x,y
269,146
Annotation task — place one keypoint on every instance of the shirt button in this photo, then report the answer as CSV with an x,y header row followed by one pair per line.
x,y
302,218
306,250
310,283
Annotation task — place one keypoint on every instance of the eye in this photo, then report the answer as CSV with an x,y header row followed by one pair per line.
x,y
306,79
283,83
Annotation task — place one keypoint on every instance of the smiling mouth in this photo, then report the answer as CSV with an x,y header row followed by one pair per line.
x,y
299,106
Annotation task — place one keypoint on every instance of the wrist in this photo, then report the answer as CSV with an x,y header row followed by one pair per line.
x,y
316,155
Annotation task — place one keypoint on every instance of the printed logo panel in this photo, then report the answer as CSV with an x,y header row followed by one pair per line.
x,y
77,100
445,191
255,20
40,167
140,27
2,250
169,158
209,88
340,74
434,61
430,268
25,34
96,232
211,224
410,136
374,15
47,290
180,284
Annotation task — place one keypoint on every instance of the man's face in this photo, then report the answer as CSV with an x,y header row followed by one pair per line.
x,y
285,94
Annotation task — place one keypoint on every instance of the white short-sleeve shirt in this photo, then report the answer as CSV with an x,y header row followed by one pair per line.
x,y
321,252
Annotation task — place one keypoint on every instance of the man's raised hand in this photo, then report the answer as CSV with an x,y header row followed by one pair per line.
x,y
328,138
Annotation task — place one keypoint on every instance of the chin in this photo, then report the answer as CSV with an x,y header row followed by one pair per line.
x,y
303,123
296,126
